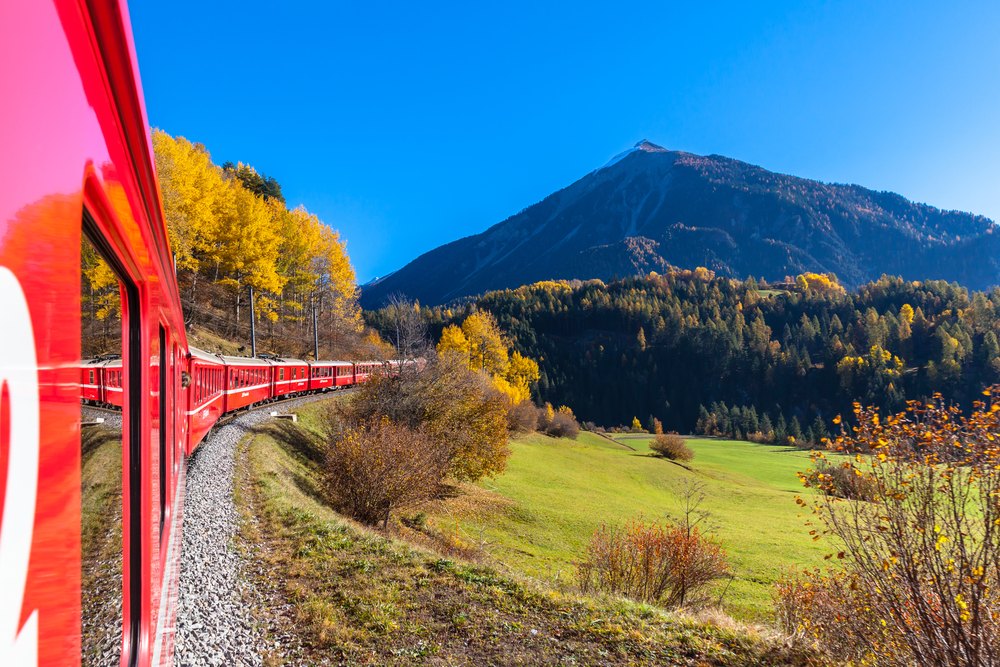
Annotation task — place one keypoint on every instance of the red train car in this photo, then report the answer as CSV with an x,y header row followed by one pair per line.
x,y
364,369
92,381
248,382
289,376
112,389
206,398
77,164
326,375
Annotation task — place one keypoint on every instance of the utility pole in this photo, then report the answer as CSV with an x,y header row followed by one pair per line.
x,y
253,327
315,337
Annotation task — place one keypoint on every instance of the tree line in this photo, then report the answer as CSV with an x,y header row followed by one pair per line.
x,y
232,234
685,345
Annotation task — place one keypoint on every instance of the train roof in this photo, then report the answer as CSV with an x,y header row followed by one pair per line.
x,y
329,363
281,360
205,356
245,361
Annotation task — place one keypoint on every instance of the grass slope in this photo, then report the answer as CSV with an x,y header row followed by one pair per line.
x,y
560,491
360,597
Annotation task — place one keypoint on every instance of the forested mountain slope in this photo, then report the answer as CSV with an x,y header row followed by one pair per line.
x,y
664,345
651,208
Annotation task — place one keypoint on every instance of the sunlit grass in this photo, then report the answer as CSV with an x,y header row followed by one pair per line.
x,y
562,490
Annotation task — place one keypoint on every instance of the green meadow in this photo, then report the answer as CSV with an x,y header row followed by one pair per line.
x,y
538,517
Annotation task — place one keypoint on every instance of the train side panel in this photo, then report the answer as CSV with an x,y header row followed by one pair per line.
x,y
248,382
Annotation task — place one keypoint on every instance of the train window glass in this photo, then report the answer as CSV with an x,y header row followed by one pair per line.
x,y
102,453
281,373
162,414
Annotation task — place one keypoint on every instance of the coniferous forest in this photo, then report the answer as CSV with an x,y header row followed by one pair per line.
x,y
687,346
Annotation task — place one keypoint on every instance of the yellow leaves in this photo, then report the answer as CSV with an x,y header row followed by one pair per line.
x,y
487,347
100,295
453,340
837,419
245,239
906,313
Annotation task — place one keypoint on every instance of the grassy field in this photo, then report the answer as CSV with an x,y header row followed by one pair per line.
x,y
537,518
361,597
555,492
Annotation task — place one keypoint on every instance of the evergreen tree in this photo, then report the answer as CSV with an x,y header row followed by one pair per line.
x,y
794,429
780,429
819,429
765,425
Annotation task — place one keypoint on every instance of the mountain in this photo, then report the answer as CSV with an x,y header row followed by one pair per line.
x,y
649,208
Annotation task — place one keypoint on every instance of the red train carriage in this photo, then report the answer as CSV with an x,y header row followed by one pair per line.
x,y
92,381
77,164
344,374
248,382
205,394
112,388
326,375
364,369
290,376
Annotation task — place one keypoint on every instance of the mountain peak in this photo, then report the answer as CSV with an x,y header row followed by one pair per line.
x,y
644,145
650,147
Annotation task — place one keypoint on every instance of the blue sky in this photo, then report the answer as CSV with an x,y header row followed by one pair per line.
x,y
406,126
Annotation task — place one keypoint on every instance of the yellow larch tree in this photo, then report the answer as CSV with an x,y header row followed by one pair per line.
x,y
483,347
246,247
190,186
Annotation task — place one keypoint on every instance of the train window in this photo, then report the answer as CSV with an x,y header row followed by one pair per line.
x,y
110,324
162,394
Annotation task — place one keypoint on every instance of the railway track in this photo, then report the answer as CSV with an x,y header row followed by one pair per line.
x,y
229,416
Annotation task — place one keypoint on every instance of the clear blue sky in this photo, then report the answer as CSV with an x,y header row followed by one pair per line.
x,y
409,125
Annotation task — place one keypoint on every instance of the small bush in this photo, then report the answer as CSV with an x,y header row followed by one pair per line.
x,y
523,417
671,446
378,466
563,426
842,482
829,609
668,565
759,438
545,417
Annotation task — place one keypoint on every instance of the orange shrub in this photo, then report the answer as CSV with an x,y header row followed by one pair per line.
x,y
659,564
671,446
380,465
922,552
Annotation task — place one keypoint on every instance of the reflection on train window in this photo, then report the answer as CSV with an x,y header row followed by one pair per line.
x,y
101,462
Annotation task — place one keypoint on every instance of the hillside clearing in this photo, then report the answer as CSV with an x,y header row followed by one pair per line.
x,y
556,492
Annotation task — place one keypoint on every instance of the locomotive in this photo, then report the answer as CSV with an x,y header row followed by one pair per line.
x,y
90,525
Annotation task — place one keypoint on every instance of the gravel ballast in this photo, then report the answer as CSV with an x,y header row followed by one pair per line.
x,y
215,620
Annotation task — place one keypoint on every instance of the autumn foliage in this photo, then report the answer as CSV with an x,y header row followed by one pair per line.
x,y
921,559
483,346
231,231
376,466
665,564
671,446
456,407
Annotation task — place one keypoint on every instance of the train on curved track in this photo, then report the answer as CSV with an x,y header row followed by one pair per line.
x,y
90,528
